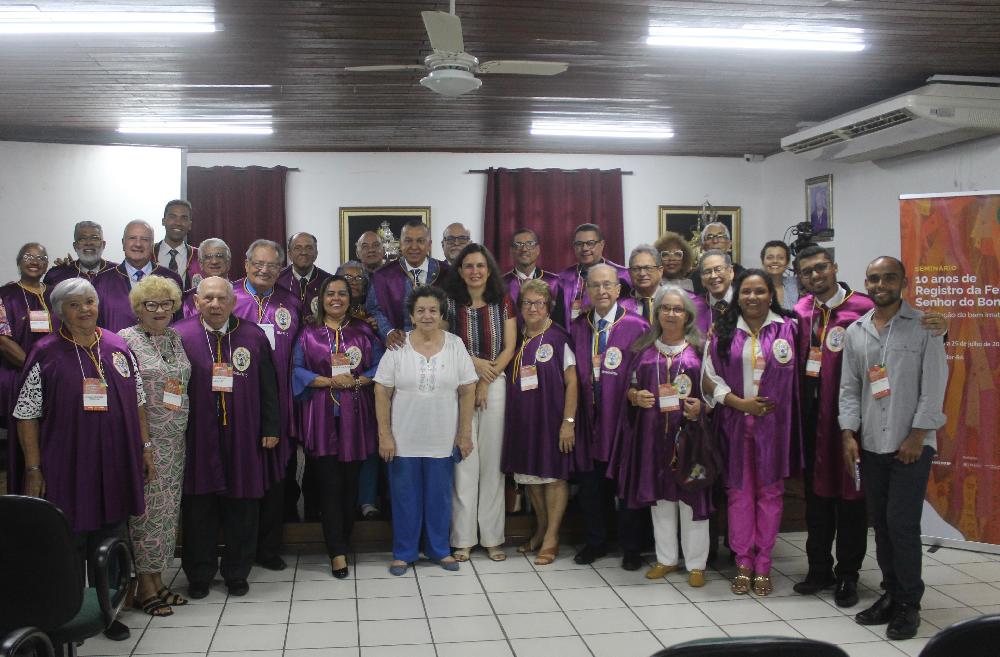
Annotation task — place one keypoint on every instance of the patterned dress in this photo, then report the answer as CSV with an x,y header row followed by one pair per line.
x,y
160,358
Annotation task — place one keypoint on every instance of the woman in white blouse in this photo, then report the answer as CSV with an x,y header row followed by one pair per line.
x,y
424,399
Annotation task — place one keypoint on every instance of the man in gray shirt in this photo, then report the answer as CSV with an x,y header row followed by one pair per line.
x,y
892,390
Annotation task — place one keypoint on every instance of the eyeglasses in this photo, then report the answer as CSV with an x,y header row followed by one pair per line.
x,y
715,237
153,306
589,244
456,239
530,244
677,255
213,256
644,269
718,270
603,285
265,266
30,257
534,305
818,268
352,279
672,310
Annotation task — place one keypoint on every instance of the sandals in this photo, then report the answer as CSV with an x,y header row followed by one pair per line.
x,y
741,583
462,554
528,546
170,598
153,606
546,556
762,585
496,553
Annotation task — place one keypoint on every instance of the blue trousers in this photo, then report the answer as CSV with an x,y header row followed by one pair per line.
x,y
421,499
368,481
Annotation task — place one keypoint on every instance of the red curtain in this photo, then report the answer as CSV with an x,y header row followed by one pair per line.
x,y
238,205
553,202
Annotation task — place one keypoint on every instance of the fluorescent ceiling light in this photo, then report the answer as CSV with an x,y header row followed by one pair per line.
x,y
216,86
28,19
595,129
759,37
259,125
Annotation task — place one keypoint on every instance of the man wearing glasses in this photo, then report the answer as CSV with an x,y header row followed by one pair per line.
x,y
716,273
173,251
88,242
214,258
588,247
302,277
646,268
524,251
277,312
715,236
455,238
113,285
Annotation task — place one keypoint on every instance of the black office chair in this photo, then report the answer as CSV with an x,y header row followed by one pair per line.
x,y
756,646
975,637
43,579
27,642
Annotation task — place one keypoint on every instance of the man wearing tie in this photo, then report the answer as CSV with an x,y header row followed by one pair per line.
x,y
645,267
716,269
303,278
173,251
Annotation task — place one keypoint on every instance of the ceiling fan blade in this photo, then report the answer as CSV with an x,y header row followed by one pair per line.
x,y
517,67
444,30
387,67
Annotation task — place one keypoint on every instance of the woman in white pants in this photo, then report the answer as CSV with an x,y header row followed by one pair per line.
x,y
482,315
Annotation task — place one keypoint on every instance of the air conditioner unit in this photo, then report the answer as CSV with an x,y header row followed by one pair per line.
x,y
947,111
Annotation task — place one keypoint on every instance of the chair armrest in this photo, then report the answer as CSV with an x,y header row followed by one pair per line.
x,y
30,638
113,551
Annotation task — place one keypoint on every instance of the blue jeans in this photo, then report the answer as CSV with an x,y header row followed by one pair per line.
x,y
421,499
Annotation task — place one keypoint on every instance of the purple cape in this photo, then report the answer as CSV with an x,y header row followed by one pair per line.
x,y
191,275
571,286
596,427
354,436
702,321
391,284
57,275
645,444
778,440
230,459
289,280
188,309
533,417
91,460
17,302
830,478
284,306
514,284
114,310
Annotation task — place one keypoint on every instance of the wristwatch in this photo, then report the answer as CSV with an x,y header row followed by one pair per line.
x,y
571,420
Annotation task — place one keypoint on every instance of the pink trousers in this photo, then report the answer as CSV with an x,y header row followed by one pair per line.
x,y
754,513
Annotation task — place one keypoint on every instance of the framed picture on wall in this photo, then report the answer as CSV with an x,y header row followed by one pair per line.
x,y
355,221
683,219
819,206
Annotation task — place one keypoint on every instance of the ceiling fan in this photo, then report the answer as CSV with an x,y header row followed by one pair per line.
x,y
451,70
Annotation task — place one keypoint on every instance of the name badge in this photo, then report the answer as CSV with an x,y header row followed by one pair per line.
x,y
575,310
269,332
596,361
95,395
340,364
815,362
879,381
173,394
39,321
222,377
669,399
529,377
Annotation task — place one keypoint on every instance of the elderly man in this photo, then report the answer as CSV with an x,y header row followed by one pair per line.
x,y
370,251
715,236
277,311
588,247
114,284
453,240
173,251
214,259
716,275
89,244
646,270
392,284
602,337
302,277
525,248
232,428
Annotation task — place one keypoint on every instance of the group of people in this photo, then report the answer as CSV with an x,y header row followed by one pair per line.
x,y
194,388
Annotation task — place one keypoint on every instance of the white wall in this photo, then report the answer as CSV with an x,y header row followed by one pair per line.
x,y
46,188
327,181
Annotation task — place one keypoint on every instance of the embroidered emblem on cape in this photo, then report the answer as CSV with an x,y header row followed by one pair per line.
x,y
782,351
354,354
241,359
314,305
683,384
544,353
121,364
612,358
835,338
283,318
196,280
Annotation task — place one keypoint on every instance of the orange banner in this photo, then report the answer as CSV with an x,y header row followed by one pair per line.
x,y
950,247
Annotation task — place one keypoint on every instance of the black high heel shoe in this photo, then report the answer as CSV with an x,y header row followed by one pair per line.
x,y
339,573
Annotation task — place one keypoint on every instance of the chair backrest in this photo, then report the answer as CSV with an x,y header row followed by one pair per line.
x,y
757,646
975,637
40,570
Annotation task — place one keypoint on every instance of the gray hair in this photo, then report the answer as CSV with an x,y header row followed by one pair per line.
x,y
256,244
361,236
228,283
80,225
137,222
214,243
601,266
714,252
649,250
69,288
729,235
353,263
691,332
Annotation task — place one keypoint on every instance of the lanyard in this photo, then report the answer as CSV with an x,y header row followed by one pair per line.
x,y
597,332
754,348
39,295
95,361
670,361
261,304
524,345
212,351
338,333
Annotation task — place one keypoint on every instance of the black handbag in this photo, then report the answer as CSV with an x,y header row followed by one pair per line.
x,y
697,462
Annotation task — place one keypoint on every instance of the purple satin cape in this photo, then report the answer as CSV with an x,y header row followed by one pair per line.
x,y
57,275
17,302
704,313
571,285
390,284
114,312
289,280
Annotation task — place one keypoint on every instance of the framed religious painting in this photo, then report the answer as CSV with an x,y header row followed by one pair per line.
x,y
388,222
688,221
819,206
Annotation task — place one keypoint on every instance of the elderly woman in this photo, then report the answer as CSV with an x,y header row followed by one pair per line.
x,y
665,393
81,419
215,258
539,429
751,378
424,398
677,258
165,371
774,258
335,359
482,315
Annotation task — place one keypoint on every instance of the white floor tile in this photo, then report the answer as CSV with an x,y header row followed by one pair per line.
x,y
256,613
322,611
944,617
572,579
604,621
800,606
563,646
984,572
376,570
321,652
523,602
767,628
328,589
465,629
972,594
594,598
477,649
456,585
318,570
682,635
264,575
627,644
247,653
137,620
933,575
618,576
934,599
640,596
563,562
666,617
390,608
424,568
911,647
514,582
171,639
394,632
835,630
952,556
99,645
791,566
544,624
515,563
188,616
387,588
421,650
266,592
243,638
342,634
469,604
734,612
713,590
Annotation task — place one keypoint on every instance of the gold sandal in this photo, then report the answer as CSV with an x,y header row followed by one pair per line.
x,y
741,583
462,554
496,553
762,585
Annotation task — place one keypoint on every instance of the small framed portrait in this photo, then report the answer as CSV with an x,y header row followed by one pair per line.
x,y
355,221
683,219
819,206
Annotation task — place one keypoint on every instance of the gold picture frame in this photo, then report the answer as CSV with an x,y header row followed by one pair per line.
x,y
683,219
356,220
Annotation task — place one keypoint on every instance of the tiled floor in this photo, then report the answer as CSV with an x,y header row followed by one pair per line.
x,y
510,608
